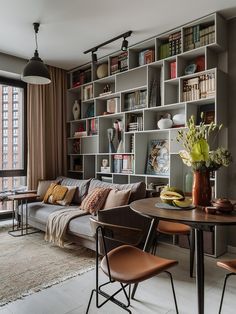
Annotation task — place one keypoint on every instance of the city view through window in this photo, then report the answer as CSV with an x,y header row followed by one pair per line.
x,y
12,157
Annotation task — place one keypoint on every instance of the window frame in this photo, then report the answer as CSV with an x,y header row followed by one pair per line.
x,y
18,172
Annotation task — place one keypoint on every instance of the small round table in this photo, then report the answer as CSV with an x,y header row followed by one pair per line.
x,y
21,199
197,219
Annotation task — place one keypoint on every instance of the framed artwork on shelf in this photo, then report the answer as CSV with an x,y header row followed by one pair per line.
x,y
158,157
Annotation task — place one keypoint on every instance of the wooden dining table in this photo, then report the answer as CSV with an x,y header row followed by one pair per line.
x,y
197,219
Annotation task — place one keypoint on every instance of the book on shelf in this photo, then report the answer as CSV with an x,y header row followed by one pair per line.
x,y
117,163
93,126
158,157
135,100
198,35
199,87
135,122
119,63
88,92
128,164
208,111
132,144
173,69
112,105
146,56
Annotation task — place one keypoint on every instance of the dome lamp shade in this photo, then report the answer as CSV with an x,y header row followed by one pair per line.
x,y
35,71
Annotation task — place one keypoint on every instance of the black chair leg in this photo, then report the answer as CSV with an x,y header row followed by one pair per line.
x,y
191,241
173,290
223,292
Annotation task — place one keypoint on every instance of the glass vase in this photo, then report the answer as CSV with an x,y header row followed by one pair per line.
x,y
201,192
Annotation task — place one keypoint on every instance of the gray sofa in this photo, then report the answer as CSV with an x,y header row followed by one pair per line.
x,y
79,229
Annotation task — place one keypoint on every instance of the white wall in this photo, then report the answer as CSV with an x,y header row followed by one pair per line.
x,y
11,66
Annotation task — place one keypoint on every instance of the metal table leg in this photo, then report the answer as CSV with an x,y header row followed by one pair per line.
x,y
200,270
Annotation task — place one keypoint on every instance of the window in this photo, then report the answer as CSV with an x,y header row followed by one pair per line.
x,y
15,105
15,97
15,140
5,140
5,115
5,123
12,135
15,123
15,114
5,97
5,89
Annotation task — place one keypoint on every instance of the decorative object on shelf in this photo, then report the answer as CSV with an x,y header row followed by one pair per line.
x,y
179,119
164,123
35,71
198,155
102,70
76,146
158,157
110,135
90,111
76,110
190,69
106,90
120,148
112,105
104,167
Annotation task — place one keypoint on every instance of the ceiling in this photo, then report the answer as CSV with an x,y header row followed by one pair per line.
x,y
70,27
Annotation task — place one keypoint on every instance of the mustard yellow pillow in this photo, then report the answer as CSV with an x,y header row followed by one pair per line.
x,y
68,197
55,193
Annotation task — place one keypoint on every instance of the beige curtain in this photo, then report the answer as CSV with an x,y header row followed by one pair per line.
x,y
46,128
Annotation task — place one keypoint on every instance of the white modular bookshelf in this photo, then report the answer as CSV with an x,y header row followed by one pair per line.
x,y
145,87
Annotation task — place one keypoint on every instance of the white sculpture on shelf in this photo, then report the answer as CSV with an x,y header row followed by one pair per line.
x,y
76,110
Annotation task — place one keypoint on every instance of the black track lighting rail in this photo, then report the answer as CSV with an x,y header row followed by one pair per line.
x,y
94,49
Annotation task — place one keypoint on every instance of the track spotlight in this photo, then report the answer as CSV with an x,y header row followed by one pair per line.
x,y
94,57
124,45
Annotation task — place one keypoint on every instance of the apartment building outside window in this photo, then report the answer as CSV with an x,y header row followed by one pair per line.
x,y
12,137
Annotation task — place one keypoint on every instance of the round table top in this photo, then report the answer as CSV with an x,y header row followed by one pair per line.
x,y
195,216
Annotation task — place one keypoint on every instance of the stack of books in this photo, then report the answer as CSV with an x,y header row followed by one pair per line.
x,y
123,164
199,87
171,47
93,127
81,77
135,100
119,63
136,124
197,36
146,56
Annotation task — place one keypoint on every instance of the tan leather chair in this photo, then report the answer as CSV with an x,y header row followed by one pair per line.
x,y
174,228
124,263
229,265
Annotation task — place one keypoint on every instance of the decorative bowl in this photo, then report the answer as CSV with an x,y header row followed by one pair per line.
x,y
223,205
179,119
164,123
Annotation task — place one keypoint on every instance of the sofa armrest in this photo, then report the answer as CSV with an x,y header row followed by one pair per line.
x,y
125,216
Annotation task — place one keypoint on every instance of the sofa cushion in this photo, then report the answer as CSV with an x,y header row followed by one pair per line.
x,y
138,190
82,188
40,211
55,193
95,200
68,197
117,198
81,226
43,186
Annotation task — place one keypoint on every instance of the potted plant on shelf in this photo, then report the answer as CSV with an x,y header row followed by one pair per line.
x,y
198,155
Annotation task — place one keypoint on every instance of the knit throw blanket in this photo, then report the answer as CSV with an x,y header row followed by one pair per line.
x,y
58,222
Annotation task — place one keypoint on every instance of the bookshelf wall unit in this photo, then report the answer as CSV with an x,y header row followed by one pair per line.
x,y
179,73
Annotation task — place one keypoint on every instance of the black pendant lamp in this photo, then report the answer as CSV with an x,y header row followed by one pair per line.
x,y
35,71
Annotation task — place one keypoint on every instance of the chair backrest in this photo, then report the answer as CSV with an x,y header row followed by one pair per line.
x,y
111,236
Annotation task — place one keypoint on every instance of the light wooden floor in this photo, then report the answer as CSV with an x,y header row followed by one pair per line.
x,y
153,295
